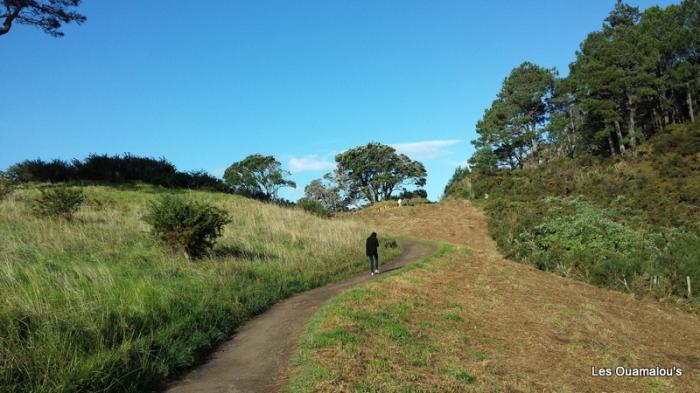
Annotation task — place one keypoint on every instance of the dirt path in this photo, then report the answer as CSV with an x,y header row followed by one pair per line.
x,y
257,357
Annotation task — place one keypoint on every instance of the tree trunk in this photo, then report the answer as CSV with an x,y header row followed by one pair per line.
x,y
570,135
690,104
633,136
618,131
535,150
657,120
611,145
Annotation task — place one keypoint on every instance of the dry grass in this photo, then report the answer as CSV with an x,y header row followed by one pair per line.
x,y
473,321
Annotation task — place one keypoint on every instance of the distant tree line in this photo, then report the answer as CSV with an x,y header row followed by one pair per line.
x,y
364,174
638,74
117,169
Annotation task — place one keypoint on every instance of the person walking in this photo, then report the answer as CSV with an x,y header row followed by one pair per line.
x,y
373,254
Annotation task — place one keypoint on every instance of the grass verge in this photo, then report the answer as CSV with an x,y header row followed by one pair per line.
x,y
97,304
471,321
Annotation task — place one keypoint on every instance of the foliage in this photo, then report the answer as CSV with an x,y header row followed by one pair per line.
x,y
5,185
257,176
59,202
612,223
637,75
186,226
459,184
48,15
414,194
314,207
510,130
122,169
374,171
97,306
328,195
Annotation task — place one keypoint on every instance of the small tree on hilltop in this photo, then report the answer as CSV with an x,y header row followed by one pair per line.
x,y
48,15
257,176
186,226
327,195
374,171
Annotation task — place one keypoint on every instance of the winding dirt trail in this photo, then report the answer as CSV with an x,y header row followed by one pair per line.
x,y
257,357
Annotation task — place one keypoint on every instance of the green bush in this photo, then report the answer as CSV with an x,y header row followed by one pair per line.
x,y
186,226
61,202
578,239
313,207
5,186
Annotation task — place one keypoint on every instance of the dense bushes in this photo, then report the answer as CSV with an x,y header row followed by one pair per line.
x,y
186,226
628,225
113,169
313,207
58,202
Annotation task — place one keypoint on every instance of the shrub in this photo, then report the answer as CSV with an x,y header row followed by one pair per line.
x,y
186,226
120,169
60,202
313,207
5,186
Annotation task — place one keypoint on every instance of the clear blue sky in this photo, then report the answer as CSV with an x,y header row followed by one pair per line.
x,y
205,83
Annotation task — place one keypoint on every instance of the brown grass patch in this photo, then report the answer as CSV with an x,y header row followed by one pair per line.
x,y
510,326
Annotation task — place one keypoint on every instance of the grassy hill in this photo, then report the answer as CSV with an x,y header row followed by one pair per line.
x,y
468,320
631,225
97,304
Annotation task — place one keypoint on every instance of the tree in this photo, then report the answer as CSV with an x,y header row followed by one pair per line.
x,y
327,195
257,176
374,171
512,127
48,15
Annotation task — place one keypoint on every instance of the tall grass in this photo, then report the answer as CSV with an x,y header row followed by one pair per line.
x,y
99,305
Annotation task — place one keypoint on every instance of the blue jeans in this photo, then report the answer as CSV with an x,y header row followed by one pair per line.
x,y
373,262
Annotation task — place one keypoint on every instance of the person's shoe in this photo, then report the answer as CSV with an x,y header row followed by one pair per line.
x,y
376,271
371,273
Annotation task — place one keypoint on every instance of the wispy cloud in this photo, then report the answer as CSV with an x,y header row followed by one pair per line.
x,y
310,163
426,149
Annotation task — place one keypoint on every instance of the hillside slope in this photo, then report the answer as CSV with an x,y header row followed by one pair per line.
x,y
471,320
631,225
98,305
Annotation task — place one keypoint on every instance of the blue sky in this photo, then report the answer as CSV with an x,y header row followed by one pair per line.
x,y
205,83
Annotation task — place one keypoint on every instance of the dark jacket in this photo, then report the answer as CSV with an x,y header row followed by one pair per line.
x,y
372,245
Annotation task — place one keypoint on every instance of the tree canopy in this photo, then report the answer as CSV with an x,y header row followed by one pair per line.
x,y
257,176
511,129
635,75
48,15
374,171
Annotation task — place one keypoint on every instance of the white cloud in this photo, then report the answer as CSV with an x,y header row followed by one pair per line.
x,y
426,149
310,163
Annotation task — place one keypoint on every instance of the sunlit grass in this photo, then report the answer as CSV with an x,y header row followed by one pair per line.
x,y
98,305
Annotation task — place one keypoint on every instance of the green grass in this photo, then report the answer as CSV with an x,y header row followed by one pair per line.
x,y
98,304
628,225
347,326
